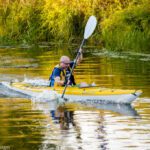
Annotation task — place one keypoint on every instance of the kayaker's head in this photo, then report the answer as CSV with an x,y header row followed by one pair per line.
x,y
64,62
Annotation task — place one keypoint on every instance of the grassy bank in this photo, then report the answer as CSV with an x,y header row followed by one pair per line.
x,y
128,29
122,25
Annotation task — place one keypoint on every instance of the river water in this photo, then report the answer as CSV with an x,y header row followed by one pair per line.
x,y
29,124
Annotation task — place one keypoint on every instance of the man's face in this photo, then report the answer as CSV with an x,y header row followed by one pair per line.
x,y
65,63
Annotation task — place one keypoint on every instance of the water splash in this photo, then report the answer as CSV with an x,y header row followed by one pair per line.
x,y
45,96
36,81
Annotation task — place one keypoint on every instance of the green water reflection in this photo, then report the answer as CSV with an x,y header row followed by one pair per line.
x,y
107,69
20,125
27,125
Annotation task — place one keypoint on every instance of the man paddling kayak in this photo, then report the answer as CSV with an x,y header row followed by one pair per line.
x,y
62,71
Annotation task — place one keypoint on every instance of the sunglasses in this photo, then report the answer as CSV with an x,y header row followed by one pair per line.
x,y
65,63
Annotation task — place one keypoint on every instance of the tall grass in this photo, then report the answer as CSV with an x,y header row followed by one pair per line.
x,y
128,29
48,20
122,24
19,21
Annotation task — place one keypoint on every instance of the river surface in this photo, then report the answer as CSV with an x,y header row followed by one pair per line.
x,y
27,124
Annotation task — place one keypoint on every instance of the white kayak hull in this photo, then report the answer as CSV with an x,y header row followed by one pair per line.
x,y
122,98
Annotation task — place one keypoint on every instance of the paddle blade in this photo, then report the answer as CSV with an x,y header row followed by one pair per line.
x,y
90,27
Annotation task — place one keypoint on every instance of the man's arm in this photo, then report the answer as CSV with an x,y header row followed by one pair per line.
x,y
80,57
58,81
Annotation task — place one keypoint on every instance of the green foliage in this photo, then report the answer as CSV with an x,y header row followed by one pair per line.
x,y
65,20
122,24
128,29
20,21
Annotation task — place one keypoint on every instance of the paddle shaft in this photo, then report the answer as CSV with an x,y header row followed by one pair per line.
x,y
74,64
89,28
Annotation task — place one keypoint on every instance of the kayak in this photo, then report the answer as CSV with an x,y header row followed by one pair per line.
x,y
85,94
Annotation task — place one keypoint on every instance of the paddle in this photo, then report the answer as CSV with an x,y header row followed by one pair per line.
x,y
89,29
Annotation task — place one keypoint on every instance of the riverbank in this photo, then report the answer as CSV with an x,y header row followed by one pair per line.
x,y
122,25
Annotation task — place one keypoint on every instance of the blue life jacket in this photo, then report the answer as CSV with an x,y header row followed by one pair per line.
x,y
63,74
